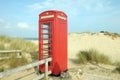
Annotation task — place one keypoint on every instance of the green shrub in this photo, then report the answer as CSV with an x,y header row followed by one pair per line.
x,y
92,56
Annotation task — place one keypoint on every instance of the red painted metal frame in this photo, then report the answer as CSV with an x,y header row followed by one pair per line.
x,y
58,39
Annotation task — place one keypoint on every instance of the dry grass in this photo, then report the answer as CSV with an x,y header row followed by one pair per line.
x,y
112,35
16,62
7,43
117,69
1,69
92,55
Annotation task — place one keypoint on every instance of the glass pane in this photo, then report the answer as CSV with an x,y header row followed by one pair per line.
x,y
46,25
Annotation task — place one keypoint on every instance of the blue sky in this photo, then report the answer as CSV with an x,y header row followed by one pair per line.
x,y
19,18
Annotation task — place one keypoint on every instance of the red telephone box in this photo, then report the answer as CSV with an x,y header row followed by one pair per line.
x,y
53,40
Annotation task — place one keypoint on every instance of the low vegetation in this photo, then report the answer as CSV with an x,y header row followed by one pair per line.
x,y
1,69
27,47
112,35
92,55
117,69
16,62
8,43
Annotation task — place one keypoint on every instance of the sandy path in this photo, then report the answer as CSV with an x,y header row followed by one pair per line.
x,y
23,75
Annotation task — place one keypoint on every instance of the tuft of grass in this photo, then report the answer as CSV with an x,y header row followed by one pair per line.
x,y
112,35
1,69
92,55
103,59
117,69
81,58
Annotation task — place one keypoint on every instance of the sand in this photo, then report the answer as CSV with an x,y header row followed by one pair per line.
x,y
98,41
102,43
85,41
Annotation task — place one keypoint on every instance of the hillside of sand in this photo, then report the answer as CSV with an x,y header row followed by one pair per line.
x,y
105,44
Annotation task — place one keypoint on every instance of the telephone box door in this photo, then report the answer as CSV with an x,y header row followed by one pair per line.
x,y
45,42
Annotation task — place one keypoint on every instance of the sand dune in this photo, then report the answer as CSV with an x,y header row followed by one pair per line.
x,y
102,43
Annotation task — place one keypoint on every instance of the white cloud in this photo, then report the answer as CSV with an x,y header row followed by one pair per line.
x,y
35,6
22,25
1,21
73,7
41,5
4,24
8,26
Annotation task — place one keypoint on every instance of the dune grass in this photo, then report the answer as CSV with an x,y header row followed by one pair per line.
x,y
117,69
112,35
1,69
27,47
16,43
8,43
16,62
92,55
